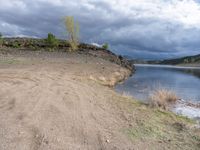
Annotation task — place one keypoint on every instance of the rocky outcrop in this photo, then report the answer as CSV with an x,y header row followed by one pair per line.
x,y
107,55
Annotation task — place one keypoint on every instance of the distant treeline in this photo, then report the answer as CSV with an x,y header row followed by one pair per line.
x,y
184,60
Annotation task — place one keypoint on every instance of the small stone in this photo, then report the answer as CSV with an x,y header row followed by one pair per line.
x,y
46,142
130,125
36,135
107,141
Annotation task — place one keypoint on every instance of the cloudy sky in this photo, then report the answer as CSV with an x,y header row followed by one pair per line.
x,y
140,28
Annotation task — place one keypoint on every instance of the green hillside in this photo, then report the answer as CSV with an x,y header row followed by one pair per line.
x,y
184,60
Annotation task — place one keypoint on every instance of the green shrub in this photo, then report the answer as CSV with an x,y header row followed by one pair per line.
x,y
51,41
105,46
16,44
1,40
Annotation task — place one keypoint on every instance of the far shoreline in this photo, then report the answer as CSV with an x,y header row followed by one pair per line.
x,y
169,66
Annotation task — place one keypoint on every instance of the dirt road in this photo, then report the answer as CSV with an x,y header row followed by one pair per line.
x,y
54,104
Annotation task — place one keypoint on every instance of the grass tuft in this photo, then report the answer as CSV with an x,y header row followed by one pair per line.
x,y
162,98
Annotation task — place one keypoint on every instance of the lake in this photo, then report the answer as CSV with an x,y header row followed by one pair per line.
x,y
184,81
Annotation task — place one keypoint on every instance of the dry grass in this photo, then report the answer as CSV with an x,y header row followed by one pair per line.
x,y
162,98
126,95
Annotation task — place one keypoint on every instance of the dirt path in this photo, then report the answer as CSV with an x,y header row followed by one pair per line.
x,y
55,106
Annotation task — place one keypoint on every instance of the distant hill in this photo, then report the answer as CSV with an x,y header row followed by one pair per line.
x,y
179,61
187,61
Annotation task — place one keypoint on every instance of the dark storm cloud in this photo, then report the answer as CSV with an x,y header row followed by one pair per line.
x,y
140,28
37,21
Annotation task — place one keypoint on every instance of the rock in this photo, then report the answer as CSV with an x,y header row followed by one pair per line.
x,y
107,141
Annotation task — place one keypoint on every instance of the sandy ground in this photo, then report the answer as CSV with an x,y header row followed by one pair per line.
x,y
59,101
58,104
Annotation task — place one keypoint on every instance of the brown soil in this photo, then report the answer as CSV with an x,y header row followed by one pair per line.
x,y
53,102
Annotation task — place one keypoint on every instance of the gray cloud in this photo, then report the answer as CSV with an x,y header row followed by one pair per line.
x,y
142,29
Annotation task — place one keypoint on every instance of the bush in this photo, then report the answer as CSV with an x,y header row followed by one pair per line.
x,y
105,46
1,40
72,28
51,41
162,98
16,44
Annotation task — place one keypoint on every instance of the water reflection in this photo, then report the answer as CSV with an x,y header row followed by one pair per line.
x,y
184,81
194,72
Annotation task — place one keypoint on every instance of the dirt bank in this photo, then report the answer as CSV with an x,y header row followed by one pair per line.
x,y
13,45
54,102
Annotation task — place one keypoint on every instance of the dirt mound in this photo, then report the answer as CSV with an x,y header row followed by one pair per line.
x,y
30,44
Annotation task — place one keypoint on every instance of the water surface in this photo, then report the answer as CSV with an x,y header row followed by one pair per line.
x,y
184,81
